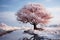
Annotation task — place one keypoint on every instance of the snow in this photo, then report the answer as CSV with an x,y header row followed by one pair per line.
x,y
48,32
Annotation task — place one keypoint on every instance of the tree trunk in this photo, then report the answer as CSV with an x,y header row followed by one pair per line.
x,y
35,26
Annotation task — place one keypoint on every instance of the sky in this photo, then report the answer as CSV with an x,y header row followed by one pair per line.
x,y
8,9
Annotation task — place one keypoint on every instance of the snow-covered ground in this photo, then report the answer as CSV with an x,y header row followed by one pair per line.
x,y
48,32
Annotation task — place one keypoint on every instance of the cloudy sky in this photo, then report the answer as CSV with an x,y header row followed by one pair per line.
x,y
8,9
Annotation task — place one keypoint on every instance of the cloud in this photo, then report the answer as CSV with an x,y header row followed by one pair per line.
x,y
55,12
7,16
54,9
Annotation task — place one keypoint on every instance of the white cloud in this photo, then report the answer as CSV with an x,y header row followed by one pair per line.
x,y
8,16
55,11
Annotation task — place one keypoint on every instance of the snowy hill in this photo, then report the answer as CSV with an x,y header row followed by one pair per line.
x,y
6,29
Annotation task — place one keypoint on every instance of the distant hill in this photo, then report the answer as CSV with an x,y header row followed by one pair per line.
x,y
6,29
54,25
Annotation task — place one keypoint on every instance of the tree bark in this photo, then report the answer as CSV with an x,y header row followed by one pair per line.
x,y
34,26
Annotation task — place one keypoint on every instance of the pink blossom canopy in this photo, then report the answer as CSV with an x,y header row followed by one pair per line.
x,y
33,13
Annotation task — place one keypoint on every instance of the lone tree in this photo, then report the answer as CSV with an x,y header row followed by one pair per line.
x,y
33,13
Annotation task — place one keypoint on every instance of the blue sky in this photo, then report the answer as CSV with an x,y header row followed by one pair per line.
x,y
8,9
14,5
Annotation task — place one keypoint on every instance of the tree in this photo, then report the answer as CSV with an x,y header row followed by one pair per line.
x,y
33,13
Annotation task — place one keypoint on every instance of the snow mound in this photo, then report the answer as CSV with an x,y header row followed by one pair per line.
x,y
2,24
